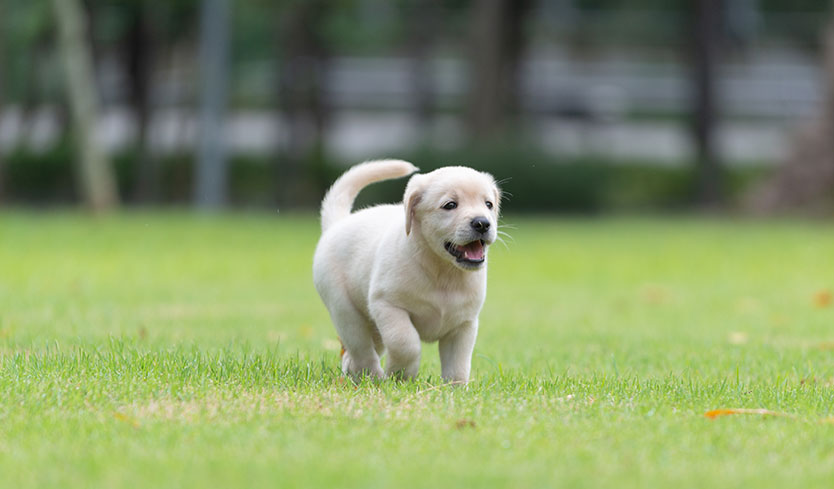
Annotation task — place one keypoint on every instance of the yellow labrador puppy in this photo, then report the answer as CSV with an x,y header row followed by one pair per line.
x,y
394,275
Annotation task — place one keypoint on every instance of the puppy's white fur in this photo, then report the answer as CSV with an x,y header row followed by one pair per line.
x,y
394,275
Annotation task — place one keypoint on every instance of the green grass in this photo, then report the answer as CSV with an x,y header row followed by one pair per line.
x,y
168,350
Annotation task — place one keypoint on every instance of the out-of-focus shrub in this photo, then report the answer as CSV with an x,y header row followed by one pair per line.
x,y
533,181
42,177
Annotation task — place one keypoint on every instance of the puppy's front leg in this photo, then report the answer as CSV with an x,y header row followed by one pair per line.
x,y
401,340
456,352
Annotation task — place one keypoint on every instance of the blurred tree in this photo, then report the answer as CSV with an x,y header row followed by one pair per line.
x,y
98,185
302,84
706,34
422,18
805,180
211,171
495,55
140,46
30,35
2,92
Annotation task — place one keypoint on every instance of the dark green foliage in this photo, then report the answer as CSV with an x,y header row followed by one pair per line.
x,y
683,5
532,181
41,177
537,182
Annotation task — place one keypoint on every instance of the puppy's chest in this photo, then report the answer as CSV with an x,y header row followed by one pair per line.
x,y
443,311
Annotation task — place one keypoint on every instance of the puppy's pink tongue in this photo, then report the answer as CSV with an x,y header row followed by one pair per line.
x,y
473,251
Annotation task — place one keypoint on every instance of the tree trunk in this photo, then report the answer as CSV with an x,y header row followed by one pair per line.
x,y
805,180
422,19
140,47
302,90
828,85
496,49
706,36
211,172
98,184
2,103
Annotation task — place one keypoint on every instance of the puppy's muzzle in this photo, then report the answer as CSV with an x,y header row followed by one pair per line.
x,y
480,224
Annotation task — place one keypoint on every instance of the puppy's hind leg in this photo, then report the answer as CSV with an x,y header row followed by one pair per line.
x,y
356,333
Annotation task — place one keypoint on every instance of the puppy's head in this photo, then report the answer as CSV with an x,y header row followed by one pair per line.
x,y
455,210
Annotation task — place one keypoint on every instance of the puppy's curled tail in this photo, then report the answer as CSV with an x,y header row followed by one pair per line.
x,y
339,199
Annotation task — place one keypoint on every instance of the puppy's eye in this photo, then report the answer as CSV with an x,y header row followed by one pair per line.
x,y
450,205
489,204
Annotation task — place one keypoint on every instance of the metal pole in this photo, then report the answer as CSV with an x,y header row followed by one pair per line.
x,y
211,169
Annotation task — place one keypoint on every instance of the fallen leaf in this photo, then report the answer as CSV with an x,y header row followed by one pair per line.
x,y
655,294
778,320
464,423
748,305
823,298
126,419
727,412
737,338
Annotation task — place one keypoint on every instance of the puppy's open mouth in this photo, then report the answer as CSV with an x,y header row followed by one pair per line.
x,y
472,253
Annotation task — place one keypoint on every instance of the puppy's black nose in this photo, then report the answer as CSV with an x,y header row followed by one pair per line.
x,y
480,224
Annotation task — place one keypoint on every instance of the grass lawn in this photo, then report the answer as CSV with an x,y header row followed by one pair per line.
x,y
169,350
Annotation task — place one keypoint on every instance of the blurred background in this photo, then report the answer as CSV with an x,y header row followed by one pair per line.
x,y
576,105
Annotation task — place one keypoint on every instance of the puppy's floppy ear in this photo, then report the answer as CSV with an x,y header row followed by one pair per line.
x,y
412,197
496,193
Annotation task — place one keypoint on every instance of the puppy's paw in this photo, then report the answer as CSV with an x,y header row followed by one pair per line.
x,y
352,369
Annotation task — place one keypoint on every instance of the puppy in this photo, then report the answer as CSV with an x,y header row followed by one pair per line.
x,y
394,275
